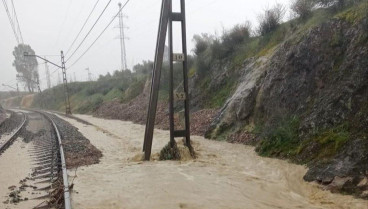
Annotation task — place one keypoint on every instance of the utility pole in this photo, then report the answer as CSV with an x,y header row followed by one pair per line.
x,y
58,79
122,39
48,79
38,84
166,25
75,77
89,74
18,89
65,82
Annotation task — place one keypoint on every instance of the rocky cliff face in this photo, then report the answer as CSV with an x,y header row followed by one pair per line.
x,y
319,77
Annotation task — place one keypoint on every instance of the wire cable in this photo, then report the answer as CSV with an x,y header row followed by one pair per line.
x,y
16,19
61,28
89,31
80,57
85,23
11,21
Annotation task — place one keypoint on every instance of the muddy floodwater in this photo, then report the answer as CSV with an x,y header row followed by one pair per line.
x,y
223,176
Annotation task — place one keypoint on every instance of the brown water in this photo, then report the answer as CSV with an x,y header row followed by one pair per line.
x,y
224,176
16,165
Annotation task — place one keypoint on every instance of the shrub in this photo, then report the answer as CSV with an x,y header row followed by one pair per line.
x,y
282,140
302,8
236,36
202,42
271,19
145,68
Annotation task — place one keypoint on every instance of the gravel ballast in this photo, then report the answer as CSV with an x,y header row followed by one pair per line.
x,y
78,149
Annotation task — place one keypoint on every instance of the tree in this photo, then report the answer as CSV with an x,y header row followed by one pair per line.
x,y
203,47
233,38
26,66
271,19
202,42
144,69
302,8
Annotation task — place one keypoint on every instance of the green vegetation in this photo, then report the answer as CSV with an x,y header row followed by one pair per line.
x,y
26,66
90,104
230,50
327,143
86,97
213,55
354,14
282,141
217,98
121,86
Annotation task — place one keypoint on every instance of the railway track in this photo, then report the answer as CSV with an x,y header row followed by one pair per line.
x,y
49,171
57,165
13,136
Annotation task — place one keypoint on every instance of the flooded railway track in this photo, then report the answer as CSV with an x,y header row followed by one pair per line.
x,y
7,140
52,167
48,179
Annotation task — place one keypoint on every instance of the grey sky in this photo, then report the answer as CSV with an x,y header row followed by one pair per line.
x,y
51,25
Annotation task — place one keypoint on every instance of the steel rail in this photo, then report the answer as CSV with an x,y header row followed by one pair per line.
x,y
14,135
67,203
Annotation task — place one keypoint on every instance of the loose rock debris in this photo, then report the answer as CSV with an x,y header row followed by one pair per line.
x,y
78,149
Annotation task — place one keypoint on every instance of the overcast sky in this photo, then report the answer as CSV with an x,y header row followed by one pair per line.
x,y
50,26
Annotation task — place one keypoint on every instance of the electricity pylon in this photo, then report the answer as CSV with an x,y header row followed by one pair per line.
x,y
122,39
48,78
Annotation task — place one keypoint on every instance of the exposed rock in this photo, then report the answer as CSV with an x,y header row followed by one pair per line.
x,y
338,183
321,77
363,183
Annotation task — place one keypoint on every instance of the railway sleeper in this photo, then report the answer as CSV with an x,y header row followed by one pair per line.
x,y
46,166
43,148
45,171
44,162
42,158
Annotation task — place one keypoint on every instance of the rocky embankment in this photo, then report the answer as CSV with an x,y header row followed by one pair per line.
x,y
313,88
305,100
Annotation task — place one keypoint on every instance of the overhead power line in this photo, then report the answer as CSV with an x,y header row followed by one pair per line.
x,y
80,57
11,21
99,17
17,23
85,22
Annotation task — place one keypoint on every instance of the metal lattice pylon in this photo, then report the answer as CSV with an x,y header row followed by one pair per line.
x,y
65,82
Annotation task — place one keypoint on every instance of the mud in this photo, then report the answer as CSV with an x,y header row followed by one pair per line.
x,y
10,123
223,175
16,167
